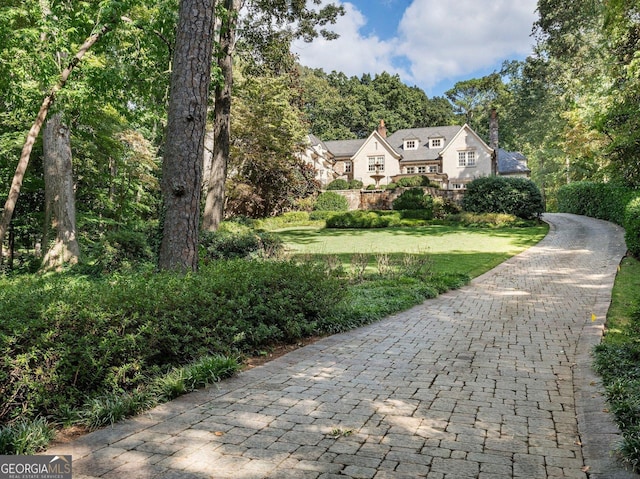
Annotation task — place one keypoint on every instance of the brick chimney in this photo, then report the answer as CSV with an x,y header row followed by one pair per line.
x,y
382,129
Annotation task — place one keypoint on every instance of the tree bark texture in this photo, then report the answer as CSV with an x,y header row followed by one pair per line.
x,y
16,183
187,116
60,206
214,204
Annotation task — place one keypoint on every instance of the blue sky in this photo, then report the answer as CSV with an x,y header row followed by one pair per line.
x,y
429,43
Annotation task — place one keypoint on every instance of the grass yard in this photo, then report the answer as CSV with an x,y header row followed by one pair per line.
x,y
617,360
625,300
450,248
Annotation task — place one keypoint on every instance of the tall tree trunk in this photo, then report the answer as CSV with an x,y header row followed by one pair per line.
x,y
214,205
60,206
187,116
16,184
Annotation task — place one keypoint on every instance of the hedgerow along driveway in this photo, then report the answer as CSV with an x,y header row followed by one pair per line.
x,y
489,381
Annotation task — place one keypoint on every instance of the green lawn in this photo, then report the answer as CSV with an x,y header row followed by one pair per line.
x,y
450,248
624,301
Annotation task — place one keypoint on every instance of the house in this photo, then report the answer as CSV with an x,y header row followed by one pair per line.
x,y
316,154
451,156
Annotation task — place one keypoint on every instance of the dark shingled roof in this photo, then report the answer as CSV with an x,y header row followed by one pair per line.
x,y
348,148
342,148
512,162
423,135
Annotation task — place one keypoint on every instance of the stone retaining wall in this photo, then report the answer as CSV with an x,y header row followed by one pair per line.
x,y
383,199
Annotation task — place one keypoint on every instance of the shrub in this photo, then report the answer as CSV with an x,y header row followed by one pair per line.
x,y
632,226
305,204
362,219
331,201
443,207
338,184
608,202
392,186
121,249
414,199
371,187
497,194
598,200
355,184
286,219
99,336
483,220
412,181
322,215
233,240
378,219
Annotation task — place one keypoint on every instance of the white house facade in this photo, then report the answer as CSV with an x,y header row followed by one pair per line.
x,y
451,156
317,156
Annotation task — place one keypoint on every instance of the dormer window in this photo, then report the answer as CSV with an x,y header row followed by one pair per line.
x,y
435,143
410,144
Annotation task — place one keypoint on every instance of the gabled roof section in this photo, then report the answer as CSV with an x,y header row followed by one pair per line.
x,y
423,152
314,141
375,136
471,132
318,146
511,162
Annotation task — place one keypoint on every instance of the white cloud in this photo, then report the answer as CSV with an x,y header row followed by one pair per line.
x,y
351,53
436,40
444,42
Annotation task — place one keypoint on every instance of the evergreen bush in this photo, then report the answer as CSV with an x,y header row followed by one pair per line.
x,y
496,194
338,184
608,202
331,201
235,240
411,181
355,184
414,199
111,334
632,226
362,219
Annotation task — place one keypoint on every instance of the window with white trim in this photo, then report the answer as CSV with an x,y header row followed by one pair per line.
x,y
436,142
433,169
422,169
466,158
411,170
376,161
348,167
410,144
471,158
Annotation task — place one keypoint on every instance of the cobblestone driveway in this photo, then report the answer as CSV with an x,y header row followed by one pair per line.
x,y
489,381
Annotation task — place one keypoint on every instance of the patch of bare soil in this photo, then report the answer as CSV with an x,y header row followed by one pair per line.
x,y
277,351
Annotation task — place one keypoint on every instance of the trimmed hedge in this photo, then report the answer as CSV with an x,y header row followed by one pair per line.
x,y
497,194
414,199
338,184
608,202
378,219
632,226
331,201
